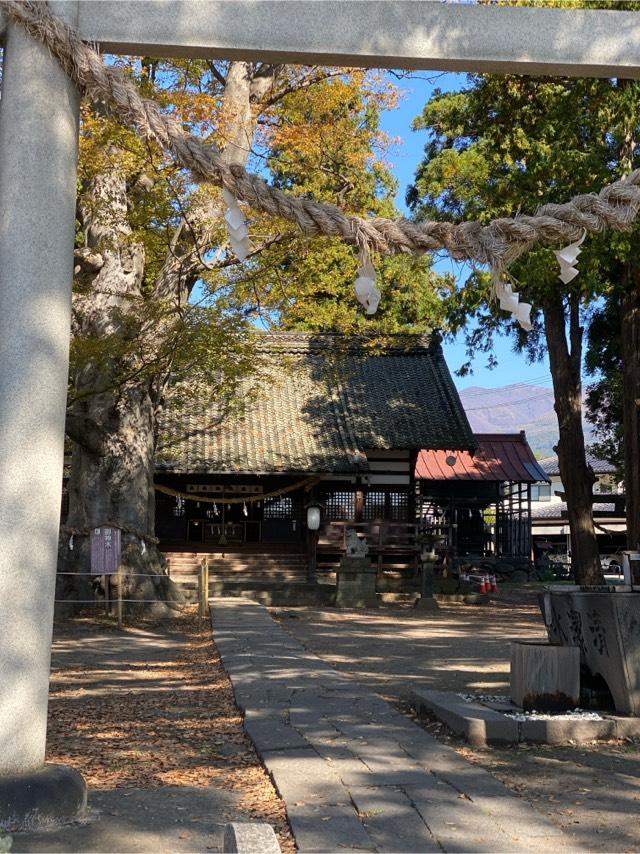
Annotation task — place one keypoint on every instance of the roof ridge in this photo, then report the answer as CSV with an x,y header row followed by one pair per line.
x,y
301,341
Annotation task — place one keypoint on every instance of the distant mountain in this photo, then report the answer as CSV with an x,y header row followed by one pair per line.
x,y
512,408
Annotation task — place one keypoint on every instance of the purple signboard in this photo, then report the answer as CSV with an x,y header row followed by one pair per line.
x,y
105,550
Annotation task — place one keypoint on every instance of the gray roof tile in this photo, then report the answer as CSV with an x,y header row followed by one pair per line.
x,y
322,402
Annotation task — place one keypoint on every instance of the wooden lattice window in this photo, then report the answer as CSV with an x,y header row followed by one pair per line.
x,y
398,506
375,506
281,507
340,506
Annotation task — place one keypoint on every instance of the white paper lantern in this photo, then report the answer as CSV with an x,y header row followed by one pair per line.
x,y
313,517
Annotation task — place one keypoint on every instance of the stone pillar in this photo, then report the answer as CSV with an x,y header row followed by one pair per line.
x,y
38,151
356,583
426,602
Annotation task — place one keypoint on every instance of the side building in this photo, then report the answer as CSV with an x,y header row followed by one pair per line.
x,y
550,522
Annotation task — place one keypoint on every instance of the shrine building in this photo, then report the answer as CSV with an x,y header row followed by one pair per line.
x,y
336,428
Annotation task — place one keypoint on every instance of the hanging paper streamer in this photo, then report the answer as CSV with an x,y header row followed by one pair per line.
x,y
237,227
367,293
568,258
510,301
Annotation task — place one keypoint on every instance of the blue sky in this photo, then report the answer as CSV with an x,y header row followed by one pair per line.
x,y
404,158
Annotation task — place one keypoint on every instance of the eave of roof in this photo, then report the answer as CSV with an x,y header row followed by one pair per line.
x,y
504,457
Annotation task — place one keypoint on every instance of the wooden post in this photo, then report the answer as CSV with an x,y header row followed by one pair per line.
x,y
206,584
545,677
119,583
200,589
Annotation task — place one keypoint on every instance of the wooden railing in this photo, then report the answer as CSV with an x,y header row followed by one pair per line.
x,y
380,536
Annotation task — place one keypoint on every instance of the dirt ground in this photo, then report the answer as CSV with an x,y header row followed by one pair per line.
x,y
591,791
156,717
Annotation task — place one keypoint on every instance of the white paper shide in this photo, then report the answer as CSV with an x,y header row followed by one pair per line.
x,y
568,258
367,293
237,227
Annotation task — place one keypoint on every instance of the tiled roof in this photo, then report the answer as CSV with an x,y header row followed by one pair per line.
x,y
320,403
498,457
551,467
556,509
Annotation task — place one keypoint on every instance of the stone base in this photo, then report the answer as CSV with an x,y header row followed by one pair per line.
x,y
52,795
603,624
483,724
356,583
256,837
426,603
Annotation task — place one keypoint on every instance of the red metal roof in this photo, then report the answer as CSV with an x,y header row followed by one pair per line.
x,y
498,457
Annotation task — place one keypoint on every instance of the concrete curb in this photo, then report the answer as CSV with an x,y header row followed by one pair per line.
x,y
481,725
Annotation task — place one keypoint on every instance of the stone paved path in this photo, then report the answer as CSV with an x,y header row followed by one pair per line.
x,y
354,772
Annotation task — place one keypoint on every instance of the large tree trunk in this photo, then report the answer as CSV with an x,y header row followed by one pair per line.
x,y
577,476
111,420
630,338
112,484
112,423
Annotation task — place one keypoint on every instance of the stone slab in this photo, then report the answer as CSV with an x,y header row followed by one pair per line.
x,y
328,828
458,824
302,776
477,724
500,803
272,733
566,731
392,822
360,750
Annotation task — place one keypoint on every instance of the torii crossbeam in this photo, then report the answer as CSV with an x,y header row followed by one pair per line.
x,y
38,151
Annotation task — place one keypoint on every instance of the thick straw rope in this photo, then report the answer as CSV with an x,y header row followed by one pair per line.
x,y
499,243
222,498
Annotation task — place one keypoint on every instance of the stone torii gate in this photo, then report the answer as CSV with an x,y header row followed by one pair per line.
x,y
38,150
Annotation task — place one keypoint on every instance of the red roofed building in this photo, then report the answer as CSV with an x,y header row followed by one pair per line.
x,y
481,501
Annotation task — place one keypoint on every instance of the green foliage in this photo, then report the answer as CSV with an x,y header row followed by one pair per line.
x,y
604,396
505,144
326,142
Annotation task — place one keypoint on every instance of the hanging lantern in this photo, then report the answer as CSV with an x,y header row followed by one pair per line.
x,y
314,515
